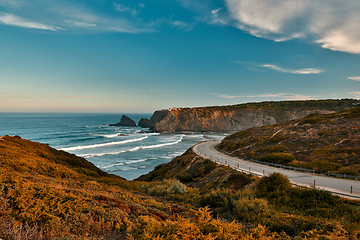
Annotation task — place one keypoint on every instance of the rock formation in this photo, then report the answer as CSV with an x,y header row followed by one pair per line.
x,y
145,123
124,122
239,117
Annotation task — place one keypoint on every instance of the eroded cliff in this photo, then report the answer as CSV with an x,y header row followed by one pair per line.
x,y
240,117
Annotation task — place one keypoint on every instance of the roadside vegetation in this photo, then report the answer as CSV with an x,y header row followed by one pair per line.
x,y
323,142
50,194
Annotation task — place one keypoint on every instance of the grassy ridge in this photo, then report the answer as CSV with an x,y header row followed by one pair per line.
x,y
47,194
327,104
321,142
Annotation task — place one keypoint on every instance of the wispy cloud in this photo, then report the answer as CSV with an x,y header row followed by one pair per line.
x,y
12,20
256,67
355,78
127,9
217,17
293,71
181,25
282,96
333,24
69,15
75,18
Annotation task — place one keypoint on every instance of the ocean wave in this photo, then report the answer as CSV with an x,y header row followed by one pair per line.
x,y
103,144
122,163
90,155
119,134
112,165
110,135
153,133
137,161
162,144
122,169
195,136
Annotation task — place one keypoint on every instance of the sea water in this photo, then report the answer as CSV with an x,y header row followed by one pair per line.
x,y
125,151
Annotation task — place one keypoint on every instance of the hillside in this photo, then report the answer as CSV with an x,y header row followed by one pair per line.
x,y
50,194
291,212
324,142
239,117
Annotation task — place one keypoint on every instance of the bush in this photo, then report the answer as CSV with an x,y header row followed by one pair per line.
x,y
165,188
279,158
273,185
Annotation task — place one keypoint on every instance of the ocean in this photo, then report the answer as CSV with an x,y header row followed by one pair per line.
x,y
125,151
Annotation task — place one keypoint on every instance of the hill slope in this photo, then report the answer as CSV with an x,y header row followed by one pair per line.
x,y
269,201
239,117
321,142
50,194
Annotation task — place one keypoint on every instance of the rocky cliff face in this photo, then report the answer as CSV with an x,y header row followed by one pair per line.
x,y
239,117
202,120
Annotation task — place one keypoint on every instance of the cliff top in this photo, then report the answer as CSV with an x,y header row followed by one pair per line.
x,y
328,104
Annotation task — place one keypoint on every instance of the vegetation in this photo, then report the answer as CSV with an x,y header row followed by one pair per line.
x,y
323,142
328,104
50,194
271,202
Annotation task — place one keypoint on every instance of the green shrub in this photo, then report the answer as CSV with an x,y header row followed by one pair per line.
x,y
273,185
165,188
279,158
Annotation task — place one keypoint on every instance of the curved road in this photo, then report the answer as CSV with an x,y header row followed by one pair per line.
x,y
335,185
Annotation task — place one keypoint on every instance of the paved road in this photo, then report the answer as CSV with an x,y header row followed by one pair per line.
x,y
334,185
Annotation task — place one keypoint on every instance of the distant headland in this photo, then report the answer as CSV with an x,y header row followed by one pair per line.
x,y
235,117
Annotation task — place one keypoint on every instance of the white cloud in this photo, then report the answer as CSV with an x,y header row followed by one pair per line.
x,y
355,78
218,17
182,25
215,11
124,8
12,20
333,24
293,71
282,96
69,15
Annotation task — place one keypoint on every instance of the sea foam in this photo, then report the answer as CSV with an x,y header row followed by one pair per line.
x,y
133,149
103,144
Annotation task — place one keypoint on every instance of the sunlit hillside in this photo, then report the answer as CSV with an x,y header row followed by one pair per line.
x,y
48,194
323,142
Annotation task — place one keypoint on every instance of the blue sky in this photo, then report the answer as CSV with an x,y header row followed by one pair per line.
x,y
139,56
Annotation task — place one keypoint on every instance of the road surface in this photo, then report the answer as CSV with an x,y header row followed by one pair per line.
x,y
335,185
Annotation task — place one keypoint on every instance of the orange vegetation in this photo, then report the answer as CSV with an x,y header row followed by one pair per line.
x,y
48,194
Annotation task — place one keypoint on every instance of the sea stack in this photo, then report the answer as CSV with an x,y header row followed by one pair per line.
x,y
144,123
124,122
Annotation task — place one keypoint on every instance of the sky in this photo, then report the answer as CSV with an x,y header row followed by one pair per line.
x,y
142,55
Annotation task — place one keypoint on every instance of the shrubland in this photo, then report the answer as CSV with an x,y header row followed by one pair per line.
x,y
323,142
50,194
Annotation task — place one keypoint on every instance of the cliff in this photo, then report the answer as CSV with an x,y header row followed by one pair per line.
x,y
239,117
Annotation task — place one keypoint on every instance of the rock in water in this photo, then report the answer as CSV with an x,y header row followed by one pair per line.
x,y
124,122
144,123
